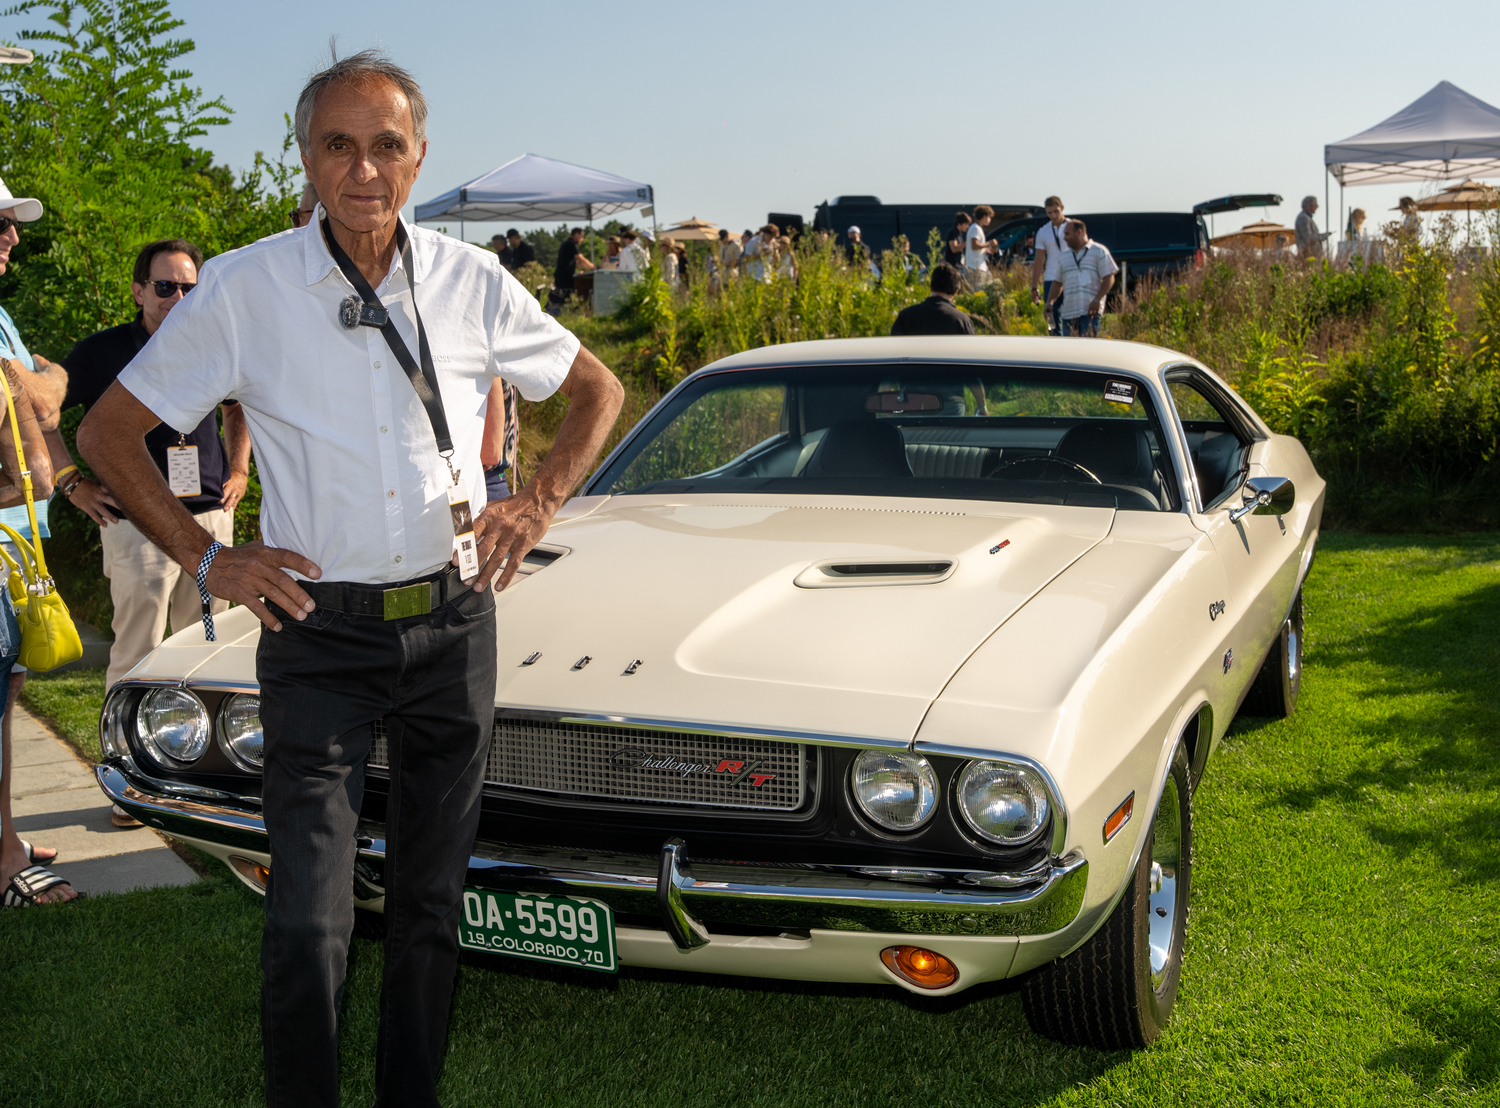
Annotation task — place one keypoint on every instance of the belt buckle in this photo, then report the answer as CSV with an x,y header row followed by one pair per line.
x,y
413,600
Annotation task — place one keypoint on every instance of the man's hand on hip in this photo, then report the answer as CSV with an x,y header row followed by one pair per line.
x,y
94,501
506,530
234,491
244,574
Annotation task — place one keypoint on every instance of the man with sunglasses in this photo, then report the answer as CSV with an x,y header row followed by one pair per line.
x,y
148,587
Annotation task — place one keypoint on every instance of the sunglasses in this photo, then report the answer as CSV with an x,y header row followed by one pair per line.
x,y
165,289
6,223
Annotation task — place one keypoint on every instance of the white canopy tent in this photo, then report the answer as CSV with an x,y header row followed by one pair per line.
x,y
536,188
1443,134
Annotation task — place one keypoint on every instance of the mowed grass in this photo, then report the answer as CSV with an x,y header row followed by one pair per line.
x,y
1342,947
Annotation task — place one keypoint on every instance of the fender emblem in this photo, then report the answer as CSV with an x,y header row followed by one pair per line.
x,y
1215,610
1228,659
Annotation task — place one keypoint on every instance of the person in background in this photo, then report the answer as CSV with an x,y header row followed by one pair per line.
x,y
148,588
569,257
1049,250
729,256
632,255
953,241
304,209
521,251
1086,273
500,448
682,263
1411,216
611,253
37,386
787,265
1355,231
501,249
1309,239
937,315
855,249
666,251
759,251
976,250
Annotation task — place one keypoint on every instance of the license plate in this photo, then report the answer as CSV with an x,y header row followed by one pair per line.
x,y
544,928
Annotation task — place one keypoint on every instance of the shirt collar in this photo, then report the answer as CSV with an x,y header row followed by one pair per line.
x,y
319,261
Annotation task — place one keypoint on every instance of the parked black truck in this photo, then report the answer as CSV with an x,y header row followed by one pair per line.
x,y
880,223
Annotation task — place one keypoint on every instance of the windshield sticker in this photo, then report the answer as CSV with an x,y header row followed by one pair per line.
x,y
1119,392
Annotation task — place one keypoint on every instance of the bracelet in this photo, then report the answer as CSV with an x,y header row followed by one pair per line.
x,y
202,577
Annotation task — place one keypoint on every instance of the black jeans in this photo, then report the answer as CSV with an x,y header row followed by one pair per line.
x,y
323,682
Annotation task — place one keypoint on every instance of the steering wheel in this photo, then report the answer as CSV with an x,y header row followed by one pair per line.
x,y
1043,462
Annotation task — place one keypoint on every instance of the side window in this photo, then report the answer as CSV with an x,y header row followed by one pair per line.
x,y
1219,455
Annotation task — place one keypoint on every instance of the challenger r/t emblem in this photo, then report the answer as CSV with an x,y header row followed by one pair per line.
x,y
734,771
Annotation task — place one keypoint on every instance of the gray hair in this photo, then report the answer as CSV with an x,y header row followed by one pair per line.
x,y
357,69
1306,200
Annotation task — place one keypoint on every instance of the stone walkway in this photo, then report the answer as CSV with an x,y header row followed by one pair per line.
x,y
57,803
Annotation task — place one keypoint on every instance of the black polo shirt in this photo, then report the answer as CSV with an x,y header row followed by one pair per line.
x,y
520,255
934,316
567,262
954,258
95,362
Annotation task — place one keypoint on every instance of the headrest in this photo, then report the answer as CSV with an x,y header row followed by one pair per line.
x,y
1112,446
861,448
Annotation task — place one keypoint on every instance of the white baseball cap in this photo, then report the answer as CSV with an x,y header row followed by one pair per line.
x,y
854,231
26,208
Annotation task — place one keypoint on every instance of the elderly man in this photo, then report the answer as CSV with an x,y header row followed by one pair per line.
x,y
1085,274
1309,239
362,352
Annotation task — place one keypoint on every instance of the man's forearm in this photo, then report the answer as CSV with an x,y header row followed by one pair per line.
x,y
236,438
1038,267
594,403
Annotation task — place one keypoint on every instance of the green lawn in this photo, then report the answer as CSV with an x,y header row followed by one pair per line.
x,y
1342,948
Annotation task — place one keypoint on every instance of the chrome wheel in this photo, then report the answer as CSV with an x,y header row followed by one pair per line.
x,y
1166,858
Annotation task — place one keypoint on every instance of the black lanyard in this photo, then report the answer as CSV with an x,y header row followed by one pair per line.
x,y
424,381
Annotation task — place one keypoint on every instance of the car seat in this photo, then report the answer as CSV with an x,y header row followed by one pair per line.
x,y
860,448
1116,452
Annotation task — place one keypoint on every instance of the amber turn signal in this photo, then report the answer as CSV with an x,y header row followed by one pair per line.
x,y
1119,817
926,969
250,870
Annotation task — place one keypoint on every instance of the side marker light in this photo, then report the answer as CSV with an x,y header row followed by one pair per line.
x,y
1119,817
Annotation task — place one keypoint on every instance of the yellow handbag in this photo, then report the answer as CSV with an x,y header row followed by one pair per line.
x,y
48,637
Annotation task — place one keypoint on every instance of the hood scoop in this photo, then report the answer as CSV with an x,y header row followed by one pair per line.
x,y
847,574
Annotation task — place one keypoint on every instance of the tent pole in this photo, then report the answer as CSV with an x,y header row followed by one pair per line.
x,y
1342,219
593,246
1325,203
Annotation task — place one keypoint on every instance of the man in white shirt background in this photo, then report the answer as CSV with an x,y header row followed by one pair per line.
x,y
1086,273
1049,249
976,270
362,453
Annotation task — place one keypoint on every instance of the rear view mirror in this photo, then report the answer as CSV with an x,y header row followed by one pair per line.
x,y
895,402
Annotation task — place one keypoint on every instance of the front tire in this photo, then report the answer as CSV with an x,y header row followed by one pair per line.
x,y
1274,693
1117,991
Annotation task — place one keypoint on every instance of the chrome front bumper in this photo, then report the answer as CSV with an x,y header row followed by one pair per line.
x,y
688,898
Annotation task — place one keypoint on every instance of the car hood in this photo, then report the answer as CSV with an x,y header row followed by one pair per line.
x,y
707,597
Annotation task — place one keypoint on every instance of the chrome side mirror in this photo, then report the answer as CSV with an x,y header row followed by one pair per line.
x,y
1265,496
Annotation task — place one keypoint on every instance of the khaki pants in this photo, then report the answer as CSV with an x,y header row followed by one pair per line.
x,y
147,586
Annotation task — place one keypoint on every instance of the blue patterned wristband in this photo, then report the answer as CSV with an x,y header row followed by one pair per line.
x,y
202,575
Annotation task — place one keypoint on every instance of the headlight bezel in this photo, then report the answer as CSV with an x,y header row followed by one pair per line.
x,y
154,747
1046,829
236,756
930,791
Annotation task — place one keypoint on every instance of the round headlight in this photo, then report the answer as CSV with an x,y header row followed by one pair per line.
x,y
239,731
895,788
1004,803
173,724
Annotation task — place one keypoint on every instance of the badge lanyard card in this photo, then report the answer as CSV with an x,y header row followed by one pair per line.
x,y
371,313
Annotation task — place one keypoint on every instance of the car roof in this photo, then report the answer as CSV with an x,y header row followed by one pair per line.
x,y
1040,351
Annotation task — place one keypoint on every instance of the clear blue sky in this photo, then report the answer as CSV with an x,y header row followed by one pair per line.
x,y
732,111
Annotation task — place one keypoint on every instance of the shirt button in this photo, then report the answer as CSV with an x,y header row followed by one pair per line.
x,y
391,492
397,558
383,429
377,365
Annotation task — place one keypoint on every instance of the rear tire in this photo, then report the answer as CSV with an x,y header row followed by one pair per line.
x,y
1117,991
1274,693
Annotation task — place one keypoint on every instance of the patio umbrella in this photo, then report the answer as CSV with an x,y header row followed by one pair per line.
x,y
691,230
1259,235
1470,196
14,55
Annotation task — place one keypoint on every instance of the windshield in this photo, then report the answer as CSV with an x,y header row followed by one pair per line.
x,y
942,431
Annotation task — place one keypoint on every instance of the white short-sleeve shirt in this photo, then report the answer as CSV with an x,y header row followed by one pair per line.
x,y
349,468
1081,272
974,256
1050,239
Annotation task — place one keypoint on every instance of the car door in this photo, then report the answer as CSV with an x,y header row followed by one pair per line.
x,y
1258,552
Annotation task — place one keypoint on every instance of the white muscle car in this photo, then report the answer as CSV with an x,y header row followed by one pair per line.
x,y
879,660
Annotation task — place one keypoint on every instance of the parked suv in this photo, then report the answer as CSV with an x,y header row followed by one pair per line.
x,y
1146,244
